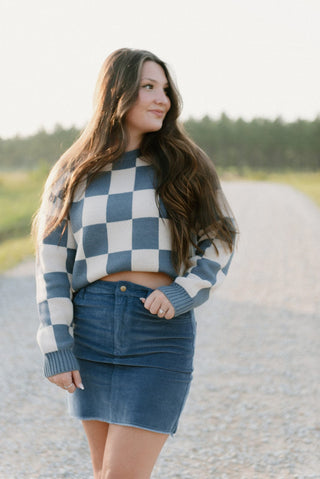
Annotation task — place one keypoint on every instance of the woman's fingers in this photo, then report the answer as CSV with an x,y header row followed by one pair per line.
x,y
68,381
77,379
64,381
170,313
157,303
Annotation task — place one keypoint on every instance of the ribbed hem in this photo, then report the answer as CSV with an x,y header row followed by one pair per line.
x,y
60,361
178,297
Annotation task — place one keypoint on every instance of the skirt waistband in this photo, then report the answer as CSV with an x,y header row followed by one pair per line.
x,y
118,287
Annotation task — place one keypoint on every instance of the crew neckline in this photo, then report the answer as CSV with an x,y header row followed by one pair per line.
x,y
135,152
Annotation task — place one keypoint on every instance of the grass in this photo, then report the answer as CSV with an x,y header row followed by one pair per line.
x,y
306,182
20,196
13,251
19,199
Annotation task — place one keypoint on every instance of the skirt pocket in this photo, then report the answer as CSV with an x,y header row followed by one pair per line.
x,y
166,343
93,327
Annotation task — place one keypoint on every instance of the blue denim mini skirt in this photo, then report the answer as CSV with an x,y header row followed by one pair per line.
x,y
136,368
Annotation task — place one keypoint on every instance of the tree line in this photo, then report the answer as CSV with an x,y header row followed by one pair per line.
x,y
264,144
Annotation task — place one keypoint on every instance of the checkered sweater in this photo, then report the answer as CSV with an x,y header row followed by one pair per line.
x,y
114,225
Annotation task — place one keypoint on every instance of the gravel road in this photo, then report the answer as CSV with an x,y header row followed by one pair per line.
x,y
254,407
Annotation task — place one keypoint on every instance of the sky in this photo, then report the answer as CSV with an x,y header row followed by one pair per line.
x,y
244,58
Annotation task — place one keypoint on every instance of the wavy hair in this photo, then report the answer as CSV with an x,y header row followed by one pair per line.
x,y
187,181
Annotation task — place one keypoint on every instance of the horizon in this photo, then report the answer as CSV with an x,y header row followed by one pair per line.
x,y
51,130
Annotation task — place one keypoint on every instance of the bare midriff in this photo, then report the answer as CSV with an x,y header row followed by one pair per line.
x,y
145,278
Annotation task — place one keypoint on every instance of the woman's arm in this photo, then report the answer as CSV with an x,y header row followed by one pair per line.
x,y
54,265
206,273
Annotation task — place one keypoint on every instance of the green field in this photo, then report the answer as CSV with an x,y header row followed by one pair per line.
x,y
307,182
20,195
19,198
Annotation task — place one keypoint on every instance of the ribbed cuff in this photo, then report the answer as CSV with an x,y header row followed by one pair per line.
x,y
178,297
60,361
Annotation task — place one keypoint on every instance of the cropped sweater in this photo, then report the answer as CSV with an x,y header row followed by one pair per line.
x,y
114,224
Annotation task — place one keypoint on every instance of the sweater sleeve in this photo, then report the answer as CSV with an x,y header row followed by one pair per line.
x,y
54,263
206,273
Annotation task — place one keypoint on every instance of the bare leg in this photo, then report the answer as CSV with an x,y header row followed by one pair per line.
x,y
97,432
129,452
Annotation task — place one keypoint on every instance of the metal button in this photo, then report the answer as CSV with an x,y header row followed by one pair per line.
x,y
123,288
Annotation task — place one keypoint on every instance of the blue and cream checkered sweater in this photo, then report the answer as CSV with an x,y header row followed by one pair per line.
x,y
114,225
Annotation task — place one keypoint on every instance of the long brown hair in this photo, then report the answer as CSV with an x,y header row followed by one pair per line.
x,y
187,181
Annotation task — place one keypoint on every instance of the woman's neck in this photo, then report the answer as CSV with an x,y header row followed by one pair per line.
x,y
134,142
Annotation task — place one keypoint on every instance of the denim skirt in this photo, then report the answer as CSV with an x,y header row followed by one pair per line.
x,y
136,368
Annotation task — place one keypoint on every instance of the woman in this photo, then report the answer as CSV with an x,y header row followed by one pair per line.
x,y
132,234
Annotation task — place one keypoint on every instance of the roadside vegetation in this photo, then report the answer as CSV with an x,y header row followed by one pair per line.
x,y
19,198
308,182
261,150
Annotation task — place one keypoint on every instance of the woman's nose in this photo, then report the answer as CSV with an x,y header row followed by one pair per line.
x,y
163,98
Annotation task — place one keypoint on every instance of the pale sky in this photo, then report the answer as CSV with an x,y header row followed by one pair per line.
x,y
247,58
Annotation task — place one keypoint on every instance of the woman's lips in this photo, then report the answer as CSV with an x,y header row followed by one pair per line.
x,y
158,113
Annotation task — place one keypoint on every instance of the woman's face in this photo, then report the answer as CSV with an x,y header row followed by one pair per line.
x,y
152,104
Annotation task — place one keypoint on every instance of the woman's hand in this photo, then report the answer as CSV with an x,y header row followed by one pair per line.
x,y
157,303
69,381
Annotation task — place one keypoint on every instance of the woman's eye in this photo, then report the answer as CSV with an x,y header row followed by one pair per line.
x,y
166,90
148,86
